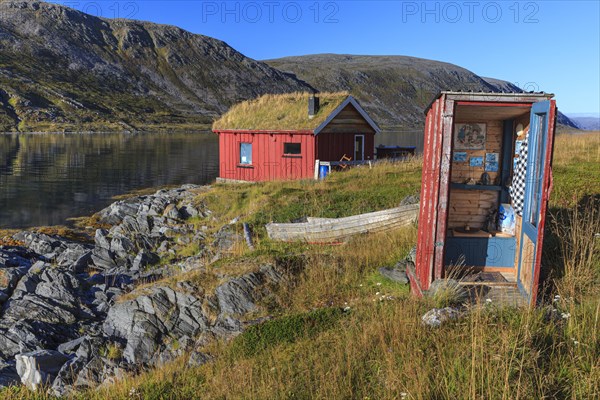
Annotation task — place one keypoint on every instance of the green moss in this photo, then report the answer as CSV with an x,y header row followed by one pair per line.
x,y
285,329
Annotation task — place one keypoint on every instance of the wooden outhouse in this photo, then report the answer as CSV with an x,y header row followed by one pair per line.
x,y
485,187
282,136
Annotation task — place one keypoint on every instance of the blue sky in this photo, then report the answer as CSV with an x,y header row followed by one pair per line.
x,y
539,45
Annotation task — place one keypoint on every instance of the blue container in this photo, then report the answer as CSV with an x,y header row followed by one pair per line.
x,y
323,171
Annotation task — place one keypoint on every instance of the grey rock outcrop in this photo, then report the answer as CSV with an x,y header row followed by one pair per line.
x,y
8,374
47,294
394,274
149,321
45,309
436,317
64,320
141,226
62,252
238,296
155,325
87,367
39,368
14,263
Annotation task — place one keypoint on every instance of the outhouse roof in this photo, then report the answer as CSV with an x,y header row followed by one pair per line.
x,y
491,96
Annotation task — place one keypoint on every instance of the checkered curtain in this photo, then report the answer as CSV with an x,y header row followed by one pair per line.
x,y
517,188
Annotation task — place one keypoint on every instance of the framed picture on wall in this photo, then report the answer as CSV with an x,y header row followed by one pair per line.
x,y
476,162
491,162
460,157
469,136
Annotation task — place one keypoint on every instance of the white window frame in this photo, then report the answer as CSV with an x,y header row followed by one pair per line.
x,y
241,159
362,151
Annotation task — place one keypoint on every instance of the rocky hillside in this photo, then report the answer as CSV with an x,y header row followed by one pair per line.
x,y
395,89
63,69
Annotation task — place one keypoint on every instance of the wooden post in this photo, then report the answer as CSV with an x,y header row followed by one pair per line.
x,y
317,165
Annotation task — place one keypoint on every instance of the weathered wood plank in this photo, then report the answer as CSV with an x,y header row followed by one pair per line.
x,y
333,229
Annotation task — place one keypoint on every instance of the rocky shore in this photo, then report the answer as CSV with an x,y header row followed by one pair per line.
x,y
80,315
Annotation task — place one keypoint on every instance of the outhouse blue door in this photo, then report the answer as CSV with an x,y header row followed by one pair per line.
x,y
537,192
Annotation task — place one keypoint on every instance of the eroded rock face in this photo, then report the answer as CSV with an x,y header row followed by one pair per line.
x,y
151,324
47,294
46,308
239,295
147,322
63,252
140,226
86,367
14,263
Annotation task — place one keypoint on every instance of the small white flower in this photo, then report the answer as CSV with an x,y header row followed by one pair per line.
x,y
488,300
360,285
403,395
346,309
556,298
378,283
565,315
575,342
377,294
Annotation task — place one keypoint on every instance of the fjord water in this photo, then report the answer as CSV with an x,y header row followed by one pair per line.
x,y
47,178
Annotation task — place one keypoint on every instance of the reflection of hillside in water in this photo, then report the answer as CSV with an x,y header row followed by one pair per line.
x,y
47,178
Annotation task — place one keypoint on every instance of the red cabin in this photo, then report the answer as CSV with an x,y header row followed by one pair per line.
x,y
485,188
282,136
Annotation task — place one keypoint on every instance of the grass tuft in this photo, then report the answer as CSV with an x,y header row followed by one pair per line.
x,y
286,329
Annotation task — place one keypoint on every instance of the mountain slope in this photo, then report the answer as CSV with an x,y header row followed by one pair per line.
x,y
395,89
587,122
63,69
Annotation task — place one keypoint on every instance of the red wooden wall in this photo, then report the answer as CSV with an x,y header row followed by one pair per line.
x,y
268,160
430,186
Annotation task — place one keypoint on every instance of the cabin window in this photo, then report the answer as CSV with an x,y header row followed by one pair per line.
x,y
246,153
293,149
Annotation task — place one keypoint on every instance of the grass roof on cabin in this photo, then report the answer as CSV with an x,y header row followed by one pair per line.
x,y
279,112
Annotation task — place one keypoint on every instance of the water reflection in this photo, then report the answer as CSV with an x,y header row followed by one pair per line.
x,y
46,178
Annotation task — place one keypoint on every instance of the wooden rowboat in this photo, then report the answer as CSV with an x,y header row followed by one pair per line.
x,y
326,230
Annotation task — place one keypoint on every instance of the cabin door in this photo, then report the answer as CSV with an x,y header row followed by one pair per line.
x,y
359,147
536,195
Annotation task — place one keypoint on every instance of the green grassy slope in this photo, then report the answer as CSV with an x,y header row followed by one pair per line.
x,y
378,349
